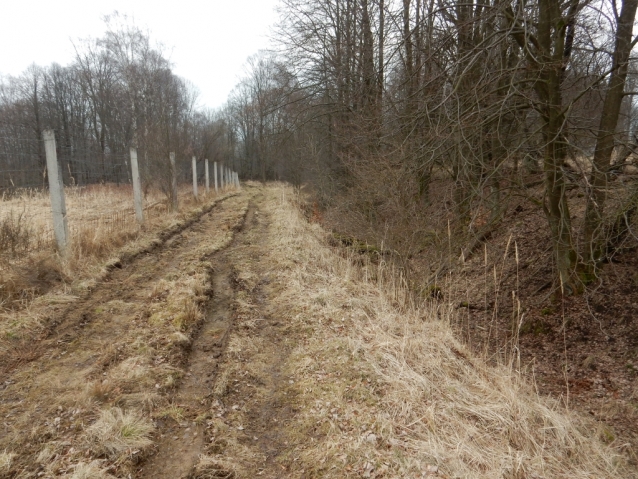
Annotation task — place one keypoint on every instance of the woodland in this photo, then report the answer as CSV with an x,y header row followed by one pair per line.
x,y
369,102
487,149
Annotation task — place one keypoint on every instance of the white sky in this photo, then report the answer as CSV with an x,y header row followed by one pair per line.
x,y
208,41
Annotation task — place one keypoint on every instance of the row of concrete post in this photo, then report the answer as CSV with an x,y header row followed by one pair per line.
x,y
227,178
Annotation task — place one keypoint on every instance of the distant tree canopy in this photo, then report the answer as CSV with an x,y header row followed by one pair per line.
x,y
119,92
375,97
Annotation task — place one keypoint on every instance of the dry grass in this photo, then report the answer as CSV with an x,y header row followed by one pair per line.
x,y
101,219
385,388
89,470
6,458
214,468
380,384
118,434
125,366
32,284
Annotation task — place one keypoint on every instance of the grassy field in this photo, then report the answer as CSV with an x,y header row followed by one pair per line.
x,y
101,218
100,210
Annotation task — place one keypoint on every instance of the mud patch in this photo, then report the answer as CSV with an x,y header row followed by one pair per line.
x,y
183,426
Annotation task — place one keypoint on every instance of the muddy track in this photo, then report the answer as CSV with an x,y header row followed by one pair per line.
x,y
248,409
112,323
116,283
181,441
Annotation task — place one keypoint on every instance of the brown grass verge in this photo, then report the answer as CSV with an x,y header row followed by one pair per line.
x,y
380,385
101,220
33,287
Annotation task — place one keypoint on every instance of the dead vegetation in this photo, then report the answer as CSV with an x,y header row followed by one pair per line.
x,y
372,384
101,220
119,434
43,278
331,370
89,470
82,401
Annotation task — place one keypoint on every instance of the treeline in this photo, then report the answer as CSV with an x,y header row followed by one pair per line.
x,y
374,103
371,100
119,92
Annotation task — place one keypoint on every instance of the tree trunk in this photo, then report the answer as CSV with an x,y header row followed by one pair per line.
x,y
594,234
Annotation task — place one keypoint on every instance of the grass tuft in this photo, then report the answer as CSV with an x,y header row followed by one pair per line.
x,y
6,458
117,433
213,468
90,470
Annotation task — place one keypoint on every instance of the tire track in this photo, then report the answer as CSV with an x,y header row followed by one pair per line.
x,y
63,378
182,441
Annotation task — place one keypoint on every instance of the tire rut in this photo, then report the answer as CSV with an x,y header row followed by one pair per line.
x,y
247,430
181,440
111,324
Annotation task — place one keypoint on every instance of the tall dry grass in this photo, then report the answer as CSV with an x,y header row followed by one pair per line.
x,y
101,219
103,208
426,404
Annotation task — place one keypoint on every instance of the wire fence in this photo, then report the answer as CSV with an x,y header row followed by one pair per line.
x,y
98,195
23,164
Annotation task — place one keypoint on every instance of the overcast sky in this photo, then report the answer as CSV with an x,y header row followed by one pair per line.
x,y
208,41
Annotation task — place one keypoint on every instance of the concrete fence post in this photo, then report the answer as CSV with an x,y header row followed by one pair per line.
x,y
221,175
215,175
207,177
195,177
137,187
171,157
56,190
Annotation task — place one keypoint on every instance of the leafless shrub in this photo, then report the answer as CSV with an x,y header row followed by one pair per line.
x,y
16,234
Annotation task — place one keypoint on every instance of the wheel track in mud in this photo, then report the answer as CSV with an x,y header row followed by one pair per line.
x,y
94,335
181,442
235,400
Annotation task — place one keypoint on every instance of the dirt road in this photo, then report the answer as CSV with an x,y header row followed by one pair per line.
x,y
239,344
175,365
147,336
245,412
